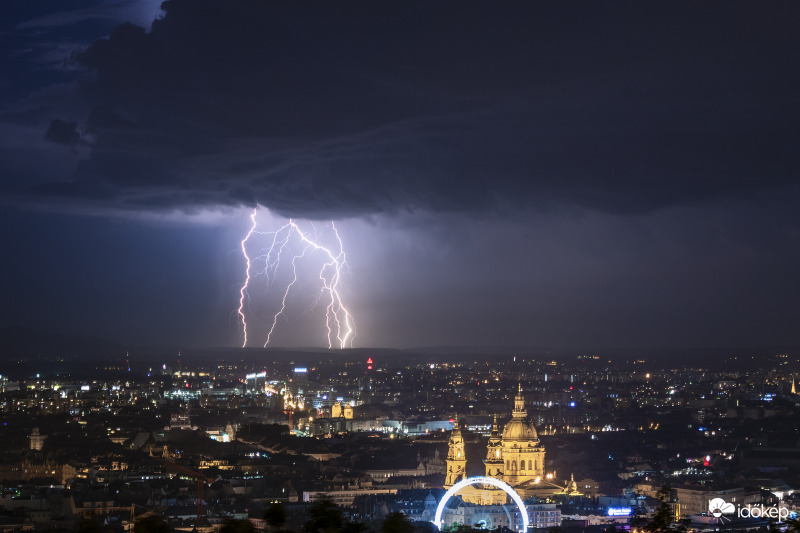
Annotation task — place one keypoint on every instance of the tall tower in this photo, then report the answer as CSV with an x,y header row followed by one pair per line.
x,y
522,452
794,391
456,458
494,455
37,440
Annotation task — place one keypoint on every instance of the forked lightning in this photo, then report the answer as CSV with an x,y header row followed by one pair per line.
x,y
338,320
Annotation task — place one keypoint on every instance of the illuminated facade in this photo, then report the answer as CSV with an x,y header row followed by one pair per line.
x,y
456,458
37,440
342,411
521,451
516,457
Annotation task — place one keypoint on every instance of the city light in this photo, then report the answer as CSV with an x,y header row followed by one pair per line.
x,y
619,511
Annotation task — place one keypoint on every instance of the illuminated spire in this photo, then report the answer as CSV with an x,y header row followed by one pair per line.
x,y
456,456
456,426
794,391
494,454
519,405
572,486
494,437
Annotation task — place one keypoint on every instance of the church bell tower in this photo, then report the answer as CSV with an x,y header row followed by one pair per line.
x,y
494,454
456,458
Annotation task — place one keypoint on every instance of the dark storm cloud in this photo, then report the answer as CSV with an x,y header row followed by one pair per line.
x,y
63,132
339,109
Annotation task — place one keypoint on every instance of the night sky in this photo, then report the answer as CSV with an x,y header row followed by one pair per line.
x,y
557,175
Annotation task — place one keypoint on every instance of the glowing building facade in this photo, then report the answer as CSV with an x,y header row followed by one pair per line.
x,y
516,457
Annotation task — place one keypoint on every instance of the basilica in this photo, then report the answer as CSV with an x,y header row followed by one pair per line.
x,y
516,457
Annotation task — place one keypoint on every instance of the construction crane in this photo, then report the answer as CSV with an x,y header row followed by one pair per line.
x,y
200,480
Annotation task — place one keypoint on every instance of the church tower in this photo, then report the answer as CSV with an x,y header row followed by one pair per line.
x,y
456,458
521,450
494,458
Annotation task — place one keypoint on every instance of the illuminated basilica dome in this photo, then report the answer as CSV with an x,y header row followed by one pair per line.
x,y
515,456
519,430
521,452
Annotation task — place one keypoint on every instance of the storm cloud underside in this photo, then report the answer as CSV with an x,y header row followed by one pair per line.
x,y
334,112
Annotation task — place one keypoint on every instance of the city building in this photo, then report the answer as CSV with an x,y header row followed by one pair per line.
x,y
37,440
516,457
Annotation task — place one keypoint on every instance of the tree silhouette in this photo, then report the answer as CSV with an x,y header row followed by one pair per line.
x,y
354,527
275,515
397,522
662,520
324,517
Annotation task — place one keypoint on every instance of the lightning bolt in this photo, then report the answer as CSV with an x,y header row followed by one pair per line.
x,y
339,322
243,290
335,309
286,295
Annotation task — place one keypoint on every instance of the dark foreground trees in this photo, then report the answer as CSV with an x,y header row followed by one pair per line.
x,y
275,516
397,523
663,520
325,517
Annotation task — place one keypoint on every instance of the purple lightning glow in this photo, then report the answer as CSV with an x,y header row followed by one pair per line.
x,y
279,244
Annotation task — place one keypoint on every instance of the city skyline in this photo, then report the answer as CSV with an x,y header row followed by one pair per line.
x,y
585,444
614,176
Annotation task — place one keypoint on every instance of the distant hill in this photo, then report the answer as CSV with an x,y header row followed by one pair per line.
x,y
17,343
34,349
